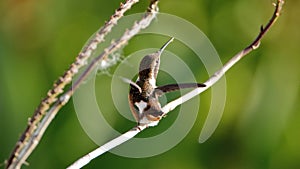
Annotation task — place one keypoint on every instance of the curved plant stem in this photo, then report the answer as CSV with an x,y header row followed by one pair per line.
x,y
172,105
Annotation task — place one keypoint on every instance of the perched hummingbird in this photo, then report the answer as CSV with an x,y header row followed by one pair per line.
x,y
143,94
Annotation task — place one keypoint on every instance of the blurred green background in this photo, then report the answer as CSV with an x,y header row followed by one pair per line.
x,y
261,122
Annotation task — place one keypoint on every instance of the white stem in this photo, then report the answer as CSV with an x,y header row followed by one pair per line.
x,y
172,105
167,108
106,147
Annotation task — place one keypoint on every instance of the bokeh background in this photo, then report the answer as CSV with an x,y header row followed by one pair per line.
x,y
261,122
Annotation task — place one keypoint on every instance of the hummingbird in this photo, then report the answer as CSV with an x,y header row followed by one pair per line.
x,y
143,94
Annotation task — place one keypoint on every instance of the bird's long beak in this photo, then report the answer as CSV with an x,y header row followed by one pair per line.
x,y
165,45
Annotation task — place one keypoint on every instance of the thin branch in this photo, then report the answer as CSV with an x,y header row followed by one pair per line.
x,y
172,105
143,23
24,147
213,79
106,147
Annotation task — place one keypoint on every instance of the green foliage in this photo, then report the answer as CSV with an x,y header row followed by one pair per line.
x,y
260,125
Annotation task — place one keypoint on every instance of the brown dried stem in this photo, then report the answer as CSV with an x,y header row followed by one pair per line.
x,y
23,147
214,78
